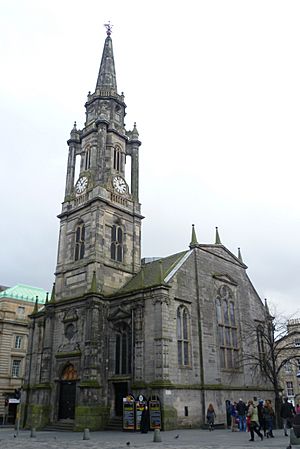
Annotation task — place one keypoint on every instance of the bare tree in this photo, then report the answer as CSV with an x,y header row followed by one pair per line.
x,y
269,346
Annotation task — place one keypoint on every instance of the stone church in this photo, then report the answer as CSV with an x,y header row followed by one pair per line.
x,y
114,325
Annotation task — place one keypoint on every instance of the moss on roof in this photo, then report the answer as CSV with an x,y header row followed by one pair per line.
x,y
153,273
25,293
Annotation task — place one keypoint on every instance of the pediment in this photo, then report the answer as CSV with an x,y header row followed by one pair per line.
x,y
223,277
119,314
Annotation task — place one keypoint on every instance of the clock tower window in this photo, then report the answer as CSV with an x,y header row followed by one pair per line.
x,y
117,159
79,241
116,247
87,159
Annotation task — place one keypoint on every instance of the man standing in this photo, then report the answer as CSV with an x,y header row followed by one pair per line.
x,y
287,413
242,411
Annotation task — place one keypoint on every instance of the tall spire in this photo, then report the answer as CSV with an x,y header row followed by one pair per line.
x,y
107,73
218,240
240,255
194,237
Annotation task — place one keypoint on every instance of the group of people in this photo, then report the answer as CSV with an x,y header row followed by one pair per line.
x,y
254,416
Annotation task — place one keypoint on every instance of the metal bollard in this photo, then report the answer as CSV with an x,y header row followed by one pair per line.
x,y
33,432
86,434
156,436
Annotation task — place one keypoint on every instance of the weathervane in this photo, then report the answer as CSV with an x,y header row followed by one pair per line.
x,y
108,27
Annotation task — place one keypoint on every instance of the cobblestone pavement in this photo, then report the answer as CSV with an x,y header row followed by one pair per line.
x,y
187,439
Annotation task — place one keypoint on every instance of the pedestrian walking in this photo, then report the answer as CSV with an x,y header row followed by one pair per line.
x,y
261,419
268,414
287,413
252,413
233,414
210,416
241,413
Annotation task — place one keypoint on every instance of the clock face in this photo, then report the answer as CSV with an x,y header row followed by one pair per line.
x,y
81,185
119,184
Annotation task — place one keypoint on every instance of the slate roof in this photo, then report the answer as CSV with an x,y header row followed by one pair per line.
x,y
24,293
153,273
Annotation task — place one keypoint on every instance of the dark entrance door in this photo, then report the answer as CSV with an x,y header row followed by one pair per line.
x,y
67,400
121,391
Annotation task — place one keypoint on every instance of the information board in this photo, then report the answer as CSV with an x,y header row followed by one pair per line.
x,y
128,413
155,414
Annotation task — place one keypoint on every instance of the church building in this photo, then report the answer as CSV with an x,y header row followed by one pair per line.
x,y
117,325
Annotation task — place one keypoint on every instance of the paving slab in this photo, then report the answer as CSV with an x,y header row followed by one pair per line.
x,y
175,439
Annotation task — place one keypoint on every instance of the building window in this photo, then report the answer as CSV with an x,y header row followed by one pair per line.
x,y
116,247
227,328
288,367
183,344
16,368
297,342
289,389
117,159
123,350
79,241
21,312
260,335
87,158
18,342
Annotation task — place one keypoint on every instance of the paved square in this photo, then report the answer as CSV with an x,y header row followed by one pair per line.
x,y
187,439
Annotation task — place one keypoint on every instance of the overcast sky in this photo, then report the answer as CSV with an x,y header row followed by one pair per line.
x,y
214,88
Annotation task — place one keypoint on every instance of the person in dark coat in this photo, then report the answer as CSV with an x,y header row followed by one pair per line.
x,y
145,420
242,412
261,418
287,413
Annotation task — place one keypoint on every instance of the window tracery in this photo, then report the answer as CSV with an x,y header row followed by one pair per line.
x,y
227,328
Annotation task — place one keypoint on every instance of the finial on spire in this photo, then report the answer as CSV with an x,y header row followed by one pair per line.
x,y
240,255
108,27
194,237
266,306
218,240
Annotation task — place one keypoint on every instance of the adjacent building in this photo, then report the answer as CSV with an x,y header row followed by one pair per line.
x,y
16,303
290,374
168,328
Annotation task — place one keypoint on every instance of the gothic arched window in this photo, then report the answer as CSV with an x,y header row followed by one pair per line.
x,y
123,350
260,334
227,329
117,159
183,332
116,247
79,241
87,158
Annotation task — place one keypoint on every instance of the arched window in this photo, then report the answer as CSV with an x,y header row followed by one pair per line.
x,y
227,329
87,158
69,373
183,332
117,159
79,241
123,350
260,334
116,247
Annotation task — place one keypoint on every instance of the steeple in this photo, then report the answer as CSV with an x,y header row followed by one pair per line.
x,y
107,73
240,255
194,237
218,240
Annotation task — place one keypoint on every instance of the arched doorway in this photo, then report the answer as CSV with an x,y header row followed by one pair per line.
x,y
67,394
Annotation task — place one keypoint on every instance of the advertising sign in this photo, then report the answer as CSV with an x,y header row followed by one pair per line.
x,y
128,413
155,413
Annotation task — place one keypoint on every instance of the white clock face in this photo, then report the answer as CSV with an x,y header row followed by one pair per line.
x,y
81,185
119,184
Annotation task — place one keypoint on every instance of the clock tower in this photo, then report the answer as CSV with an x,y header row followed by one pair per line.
x,y
100,221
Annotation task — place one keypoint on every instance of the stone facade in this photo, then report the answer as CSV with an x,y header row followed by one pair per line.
x,y
16,303
170,327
